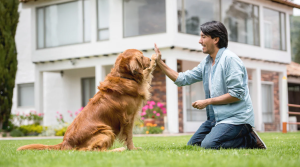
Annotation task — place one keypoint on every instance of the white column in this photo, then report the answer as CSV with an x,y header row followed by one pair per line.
x,y
256,99
172,99
283,93
99,73
94,21
38,91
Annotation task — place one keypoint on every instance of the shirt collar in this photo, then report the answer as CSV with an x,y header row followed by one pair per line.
x,y
219,54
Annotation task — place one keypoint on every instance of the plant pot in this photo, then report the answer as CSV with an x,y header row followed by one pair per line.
x,y
149,120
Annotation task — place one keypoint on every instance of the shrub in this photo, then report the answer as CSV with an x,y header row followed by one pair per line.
x,y
4,135
60,132
153,110
16,133
153,129
30,130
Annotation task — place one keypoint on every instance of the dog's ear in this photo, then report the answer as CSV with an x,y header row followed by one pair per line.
x,y
136,66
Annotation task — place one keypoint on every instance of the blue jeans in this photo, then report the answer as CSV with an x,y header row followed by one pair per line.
x,y
223,136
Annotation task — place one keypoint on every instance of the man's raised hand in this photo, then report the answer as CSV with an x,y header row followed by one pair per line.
x,y
157,51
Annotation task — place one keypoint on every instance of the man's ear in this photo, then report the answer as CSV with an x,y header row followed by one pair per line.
x,y
216,40
136,67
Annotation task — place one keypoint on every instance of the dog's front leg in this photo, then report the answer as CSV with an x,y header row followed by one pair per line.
x,y
129,141
148,71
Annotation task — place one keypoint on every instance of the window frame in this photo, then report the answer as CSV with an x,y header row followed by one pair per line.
x,y
18,95
123,22
44,25
100,29
280,30
220,19
272,99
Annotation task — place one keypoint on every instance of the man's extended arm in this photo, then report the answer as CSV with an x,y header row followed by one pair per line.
x,y
166,70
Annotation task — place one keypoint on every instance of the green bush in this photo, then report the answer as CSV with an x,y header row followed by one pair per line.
x,y
16,133
60,132
31,130
4,135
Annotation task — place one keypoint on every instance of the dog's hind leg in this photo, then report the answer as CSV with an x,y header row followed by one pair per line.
x,y
101,141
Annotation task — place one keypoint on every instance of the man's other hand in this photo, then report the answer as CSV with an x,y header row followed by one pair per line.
x,y
200,104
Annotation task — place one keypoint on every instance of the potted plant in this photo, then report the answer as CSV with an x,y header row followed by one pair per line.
x,y
152,111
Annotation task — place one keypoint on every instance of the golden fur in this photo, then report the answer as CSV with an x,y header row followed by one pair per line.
x,y
110,113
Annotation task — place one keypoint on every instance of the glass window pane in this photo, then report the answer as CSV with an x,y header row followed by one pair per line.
x,y
195,92
271,29
242,21
103,14
196,12
26,95
88,90
103,34
143,17
64,24
267,103
40,27
87,21
282,25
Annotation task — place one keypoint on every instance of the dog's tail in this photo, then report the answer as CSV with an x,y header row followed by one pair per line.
x,y
40,147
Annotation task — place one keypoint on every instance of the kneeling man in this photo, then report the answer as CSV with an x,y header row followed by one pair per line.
x,y
230,116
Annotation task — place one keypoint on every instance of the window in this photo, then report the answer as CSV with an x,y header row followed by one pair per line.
x,y
193,93
26,95
103,19
267,102
196,12
88,89
142,17
63,24
274,29
242,21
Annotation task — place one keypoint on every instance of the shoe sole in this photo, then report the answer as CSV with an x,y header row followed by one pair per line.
x,y
260,139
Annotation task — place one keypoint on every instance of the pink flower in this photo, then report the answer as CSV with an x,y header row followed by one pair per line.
x,y
81,109
60,116
39,114
145,108
160,104
152,102
158,114
76,112
154,112
150,106
57,112
142,118
71,115
69,111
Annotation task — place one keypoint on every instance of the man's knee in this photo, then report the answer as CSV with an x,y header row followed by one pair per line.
x,y
209,144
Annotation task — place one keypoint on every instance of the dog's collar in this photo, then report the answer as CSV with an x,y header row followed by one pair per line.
x,y
129,78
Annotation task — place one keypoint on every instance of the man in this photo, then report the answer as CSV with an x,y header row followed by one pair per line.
x,y
230,116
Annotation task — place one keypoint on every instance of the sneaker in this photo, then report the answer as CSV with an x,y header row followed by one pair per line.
x,y
259,143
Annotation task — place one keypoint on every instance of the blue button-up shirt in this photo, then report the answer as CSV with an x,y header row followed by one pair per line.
x,y
228,75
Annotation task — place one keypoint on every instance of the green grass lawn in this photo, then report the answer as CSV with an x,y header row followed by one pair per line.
x,y
283,150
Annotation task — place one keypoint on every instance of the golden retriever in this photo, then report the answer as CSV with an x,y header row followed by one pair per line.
x,y
111,112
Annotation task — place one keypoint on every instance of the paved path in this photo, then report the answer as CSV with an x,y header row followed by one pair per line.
x,y
61,137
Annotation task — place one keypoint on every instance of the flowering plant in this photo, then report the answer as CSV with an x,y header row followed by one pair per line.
x,y
60,118
153,110
31,116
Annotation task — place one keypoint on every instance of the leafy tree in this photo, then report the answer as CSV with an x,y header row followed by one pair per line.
x,y
9,17
295,38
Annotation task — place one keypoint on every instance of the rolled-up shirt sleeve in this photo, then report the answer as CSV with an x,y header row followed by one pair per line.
x,y
235,73
190,76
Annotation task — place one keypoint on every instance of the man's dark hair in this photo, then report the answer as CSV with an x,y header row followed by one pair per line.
x,y
216,29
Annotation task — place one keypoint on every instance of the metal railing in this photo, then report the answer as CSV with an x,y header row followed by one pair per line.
x,y
284,124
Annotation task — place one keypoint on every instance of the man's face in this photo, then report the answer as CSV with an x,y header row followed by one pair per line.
x,y
208,43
